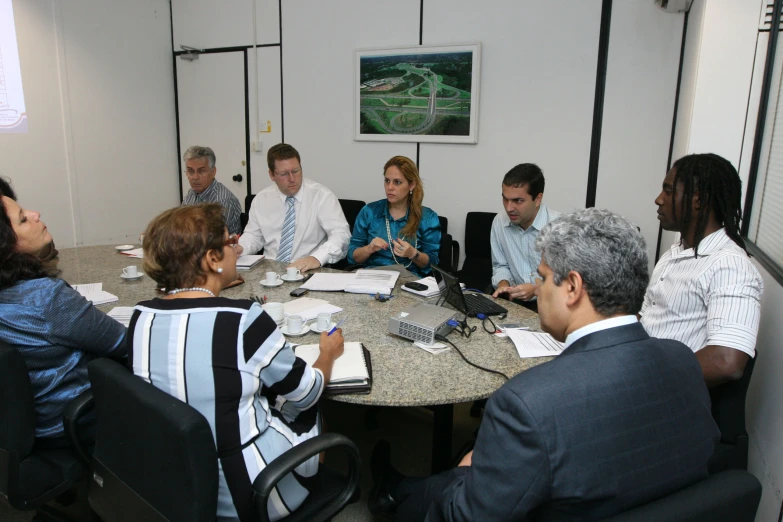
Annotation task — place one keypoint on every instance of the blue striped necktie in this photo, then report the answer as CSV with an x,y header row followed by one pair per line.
x,y
287,234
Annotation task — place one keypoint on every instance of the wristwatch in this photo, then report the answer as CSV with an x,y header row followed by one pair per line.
x,y
416,256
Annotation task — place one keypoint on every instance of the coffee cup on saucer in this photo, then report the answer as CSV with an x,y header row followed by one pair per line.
x,y
275,311
292,272
272,278
131,271
324,321
294,323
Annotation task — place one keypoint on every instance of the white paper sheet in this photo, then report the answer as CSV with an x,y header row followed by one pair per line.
x,y
309,308
94,292
121,314
535,344
136,253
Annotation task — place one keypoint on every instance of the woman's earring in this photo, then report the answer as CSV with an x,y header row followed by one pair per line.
x,y
410,193
220,270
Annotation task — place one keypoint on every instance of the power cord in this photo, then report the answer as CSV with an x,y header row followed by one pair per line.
x,y
461,327
484,319
443,339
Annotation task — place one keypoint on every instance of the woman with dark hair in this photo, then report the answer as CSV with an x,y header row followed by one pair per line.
x,y
398,229
226,358
56,330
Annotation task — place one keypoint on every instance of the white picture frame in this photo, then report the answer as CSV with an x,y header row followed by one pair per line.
x,y
394,98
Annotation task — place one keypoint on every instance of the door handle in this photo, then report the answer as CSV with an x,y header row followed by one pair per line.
x,y
237,177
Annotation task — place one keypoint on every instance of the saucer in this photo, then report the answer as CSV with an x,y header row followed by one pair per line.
x,y
122,248
314,328
292,279
305,329
264,283
132,278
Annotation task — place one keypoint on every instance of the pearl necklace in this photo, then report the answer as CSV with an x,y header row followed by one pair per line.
x,y
391,249
196,289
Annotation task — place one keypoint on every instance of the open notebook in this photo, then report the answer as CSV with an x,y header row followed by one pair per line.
x,y
362,281
352,371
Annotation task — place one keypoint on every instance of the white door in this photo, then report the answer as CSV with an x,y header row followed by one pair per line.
x,y
212,113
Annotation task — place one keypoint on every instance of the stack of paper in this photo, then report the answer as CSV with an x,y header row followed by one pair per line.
x,y
362,281
535,344
247,262
94,292
121,314
136,253
429,282
309,308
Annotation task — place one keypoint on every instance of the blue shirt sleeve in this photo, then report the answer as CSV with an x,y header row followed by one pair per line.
x,y
429,236
73,321
361,232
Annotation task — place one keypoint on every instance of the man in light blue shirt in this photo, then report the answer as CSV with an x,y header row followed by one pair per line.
x,y
514,234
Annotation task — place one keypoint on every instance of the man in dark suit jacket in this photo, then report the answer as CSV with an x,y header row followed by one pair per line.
x,y
617,420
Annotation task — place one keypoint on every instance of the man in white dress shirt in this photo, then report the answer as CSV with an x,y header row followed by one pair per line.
x,y
704,291
296,220
514,234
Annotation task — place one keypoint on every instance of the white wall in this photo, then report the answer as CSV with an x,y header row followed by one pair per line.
x,y
99,160
537,90
638,113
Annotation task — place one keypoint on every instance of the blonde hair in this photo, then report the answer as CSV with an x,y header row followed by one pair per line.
x,y
415,208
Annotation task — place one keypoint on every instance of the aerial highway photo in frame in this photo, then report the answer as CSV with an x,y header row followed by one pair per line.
x,y
420,94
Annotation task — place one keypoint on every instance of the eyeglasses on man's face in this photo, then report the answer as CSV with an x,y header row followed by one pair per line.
x,y
292,172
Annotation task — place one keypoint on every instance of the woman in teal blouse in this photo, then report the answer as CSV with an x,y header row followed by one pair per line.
x,y
398,229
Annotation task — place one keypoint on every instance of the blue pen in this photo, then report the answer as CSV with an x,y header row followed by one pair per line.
x,y
338,325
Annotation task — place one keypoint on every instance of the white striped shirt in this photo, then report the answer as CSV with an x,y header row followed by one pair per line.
x,y
714,299
514,254
216,192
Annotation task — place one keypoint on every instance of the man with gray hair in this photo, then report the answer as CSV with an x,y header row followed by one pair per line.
x,y
617,420
204,188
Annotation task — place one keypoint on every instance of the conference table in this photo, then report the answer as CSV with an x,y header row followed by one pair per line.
x,y
403,374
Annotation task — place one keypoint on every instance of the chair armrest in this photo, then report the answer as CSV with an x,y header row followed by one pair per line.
x,y
288,461
76,409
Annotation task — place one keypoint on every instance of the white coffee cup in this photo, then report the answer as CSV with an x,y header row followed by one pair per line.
x,y
275,311
294,323
292,272
324,320
130,271
272,278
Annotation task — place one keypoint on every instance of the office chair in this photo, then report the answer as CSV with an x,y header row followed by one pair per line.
x,y
449,248
155,458
243,217
31,477
476,270
728,410
728,496
351,209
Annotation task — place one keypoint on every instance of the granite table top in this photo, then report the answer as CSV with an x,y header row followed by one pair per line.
x,y
403,374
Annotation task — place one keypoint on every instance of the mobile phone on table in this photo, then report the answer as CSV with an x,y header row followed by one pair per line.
x,y
299,292
416,286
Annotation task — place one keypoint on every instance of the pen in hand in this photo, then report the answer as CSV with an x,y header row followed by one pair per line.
x,y
338,325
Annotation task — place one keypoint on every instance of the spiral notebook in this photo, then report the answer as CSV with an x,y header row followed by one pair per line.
x,y
351,373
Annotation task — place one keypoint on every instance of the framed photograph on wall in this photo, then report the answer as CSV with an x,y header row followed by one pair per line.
x,y
425,93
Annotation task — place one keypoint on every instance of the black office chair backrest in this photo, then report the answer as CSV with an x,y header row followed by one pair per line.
x,y
476,270
351,209
728,496
154,455
249,201
728,405
17,408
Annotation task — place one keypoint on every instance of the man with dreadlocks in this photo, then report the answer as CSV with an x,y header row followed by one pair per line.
x,y
704,291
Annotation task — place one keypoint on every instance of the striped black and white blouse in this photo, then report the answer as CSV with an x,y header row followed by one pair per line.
x,y
227,359
713,299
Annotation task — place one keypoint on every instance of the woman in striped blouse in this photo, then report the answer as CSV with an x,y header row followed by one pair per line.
x,y
226,358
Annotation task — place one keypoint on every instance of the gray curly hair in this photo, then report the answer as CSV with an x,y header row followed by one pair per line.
x,y
606,250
